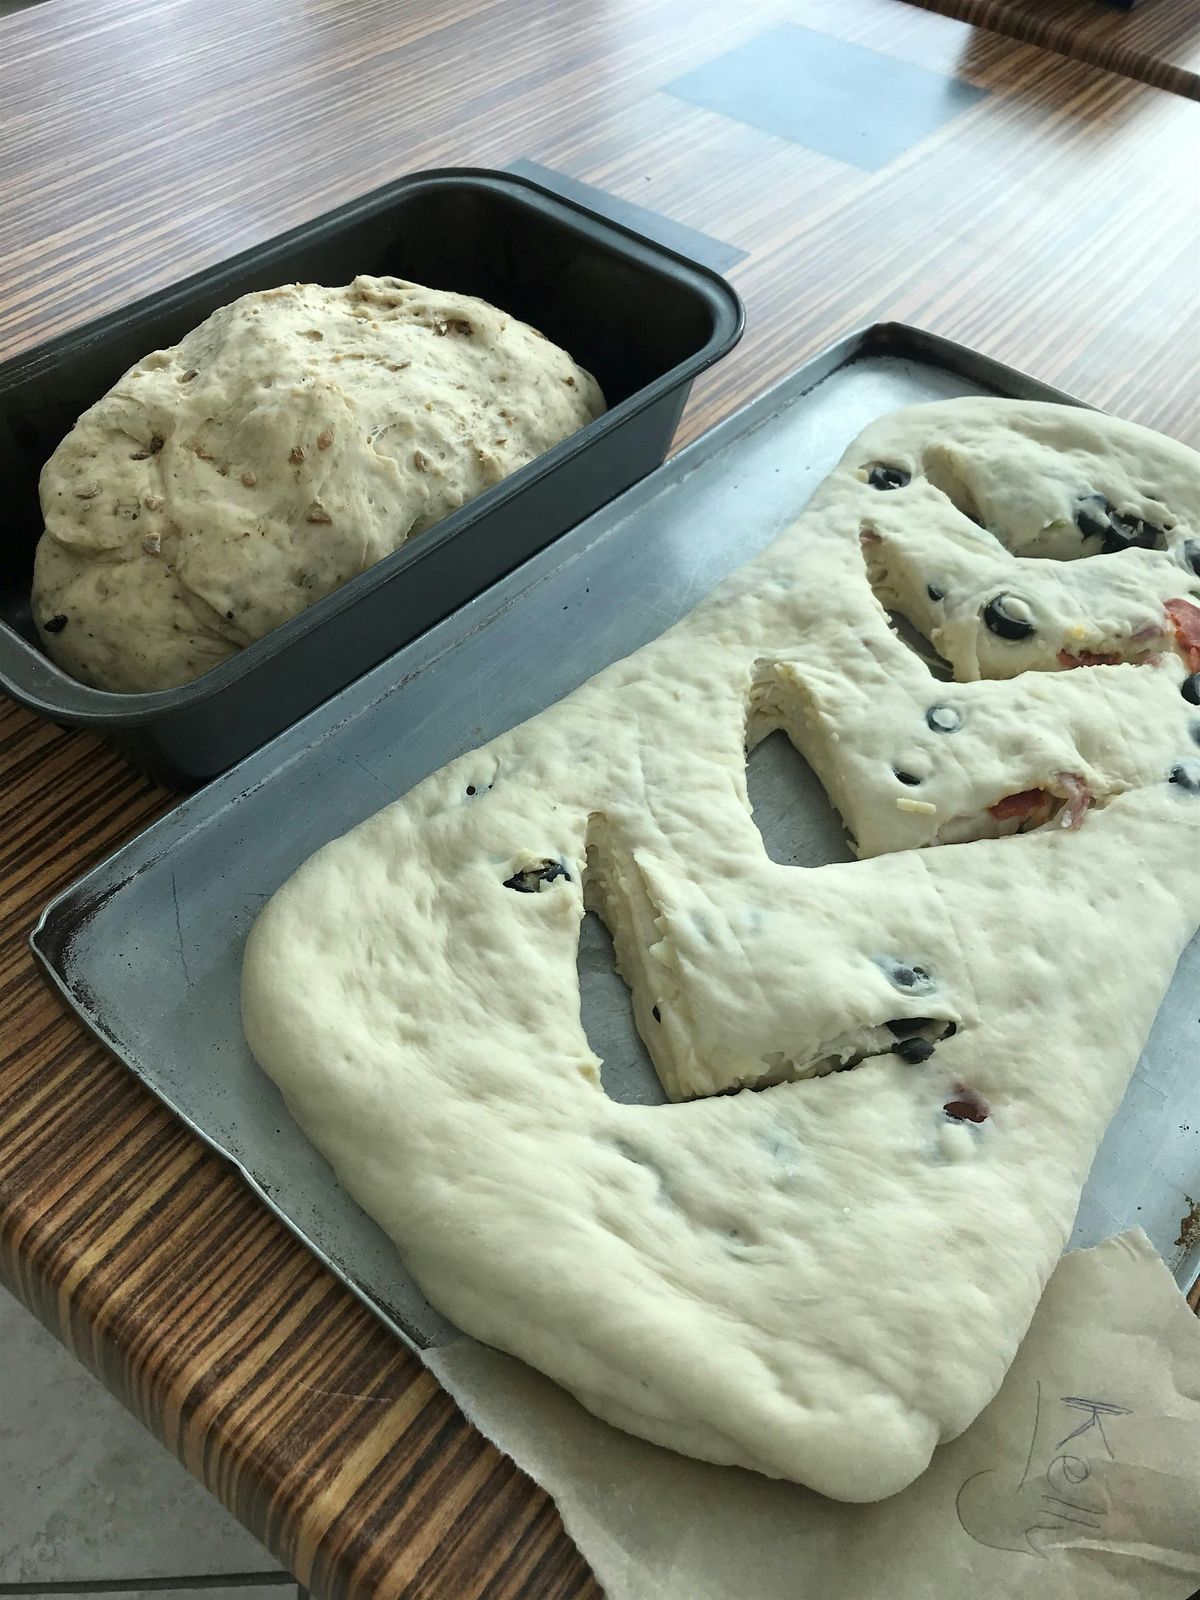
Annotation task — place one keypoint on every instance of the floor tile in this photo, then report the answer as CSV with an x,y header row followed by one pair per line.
x,y
85,1492
856,105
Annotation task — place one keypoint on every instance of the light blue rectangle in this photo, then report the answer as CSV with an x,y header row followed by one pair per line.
x,y
845,101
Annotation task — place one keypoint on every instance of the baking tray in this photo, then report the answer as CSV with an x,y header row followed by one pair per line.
x,y
641,317
147,947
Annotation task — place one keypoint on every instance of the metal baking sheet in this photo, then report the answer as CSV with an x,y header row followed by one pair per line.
x,y
147,947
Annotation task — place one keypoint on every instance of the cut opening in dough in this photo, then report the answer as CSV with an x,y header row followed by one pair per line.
x,y
797,821
909,634
606,1011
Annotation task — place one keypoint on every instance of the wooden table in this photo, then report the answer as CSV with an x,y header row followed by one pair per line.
x,y
140,140
1157,42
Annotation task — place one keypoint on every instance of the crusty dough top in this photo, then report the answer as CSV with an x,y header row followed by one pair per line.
x,y
282,447
823,1278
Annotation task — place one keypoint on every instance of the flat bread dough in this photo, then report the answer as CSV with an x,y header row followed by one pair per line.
x,y
288,443
823,1279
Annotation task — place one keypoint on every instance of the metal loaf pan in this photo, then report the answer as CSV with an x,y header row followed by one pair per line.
x,y
642,318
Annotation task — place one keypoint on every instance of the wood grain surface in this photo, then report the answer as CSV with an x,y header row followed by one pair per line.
x,y
1043,225
1157,42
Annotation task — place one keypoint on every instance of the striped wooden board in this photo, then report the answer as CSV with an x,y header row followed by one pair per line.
x,y
1040,224
1157,42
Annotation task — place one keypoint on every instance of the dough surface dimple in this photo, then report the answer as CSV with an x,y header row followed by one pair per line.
x,y
826,1273
288,443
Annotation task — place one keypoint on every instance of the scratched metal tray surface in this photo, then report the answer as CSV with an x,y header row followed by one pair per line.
x,y
147,947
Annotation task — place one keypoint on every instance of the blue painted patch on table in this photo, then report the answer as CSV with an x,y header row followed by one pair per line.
x,y
840,99
677,236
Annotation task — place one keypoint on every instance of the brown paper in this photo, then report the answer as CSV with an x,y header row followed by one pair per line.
x,y
1081,1480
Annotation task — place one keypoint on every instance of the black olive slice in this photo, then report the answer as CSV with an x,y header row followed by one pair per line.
x,y
1008,617
943,719
883,477
1121,535
912,1050
1096,518
907,976
1091,516
528,880
54,624
1130,533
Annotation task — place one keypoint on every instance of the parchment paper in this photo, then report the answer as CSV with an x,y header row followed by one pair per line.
x,y
1081,1481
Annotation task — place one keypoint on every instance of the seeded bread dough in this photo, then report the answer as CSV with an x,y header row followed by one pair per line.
x,y
285,445
824,1279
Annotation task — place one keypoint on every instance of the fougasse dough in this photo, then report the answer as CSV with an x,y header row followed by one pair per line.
x,y
825,1274
288,443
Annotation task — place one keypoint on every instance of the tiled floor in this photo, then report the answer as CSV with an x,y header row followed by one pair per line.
x,y
89,1501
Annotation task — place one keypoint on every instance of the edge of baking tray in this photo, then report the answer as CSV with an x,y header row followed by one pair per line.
x,y
72,907
393,1319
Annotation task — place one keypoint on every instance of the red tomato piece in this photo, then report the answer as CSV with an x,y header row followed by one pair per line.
x,y
1185,621
1018,805
1088,658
